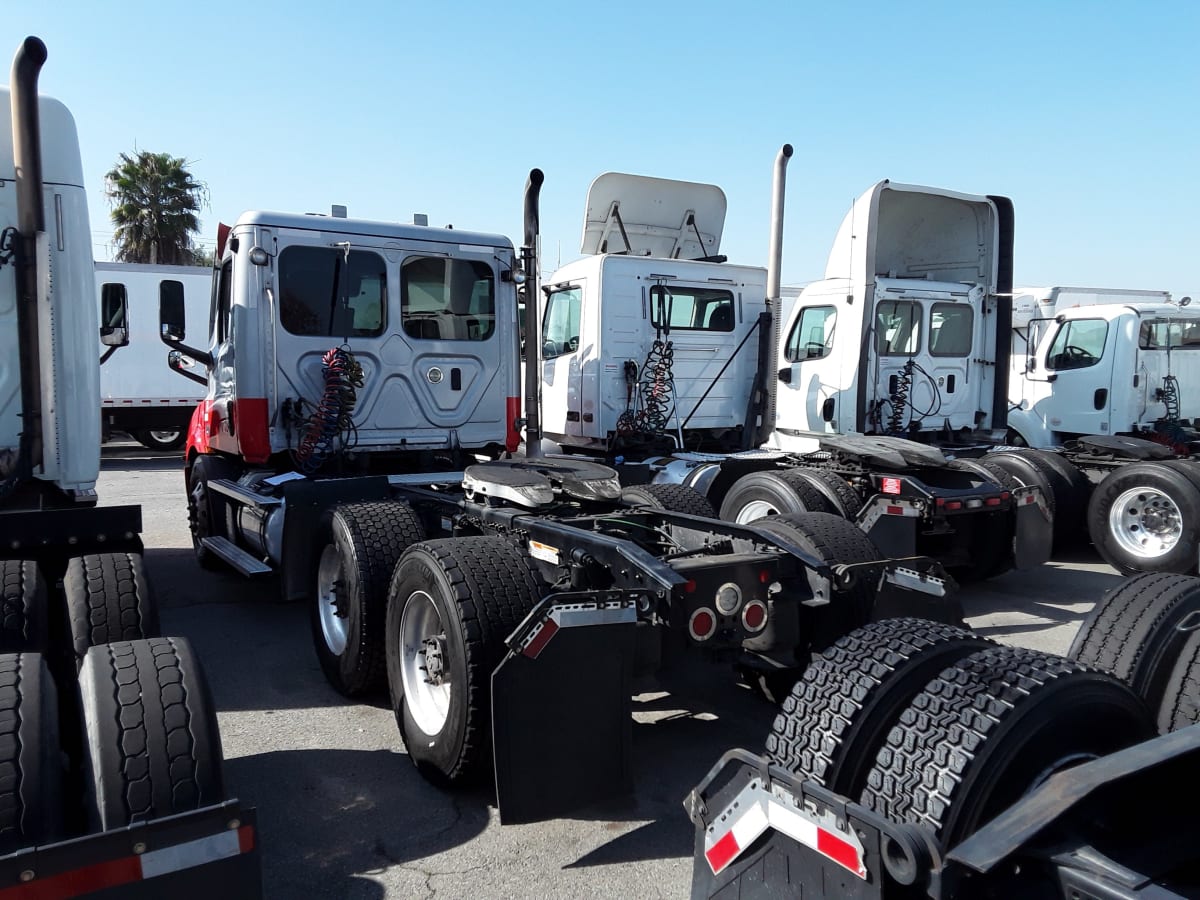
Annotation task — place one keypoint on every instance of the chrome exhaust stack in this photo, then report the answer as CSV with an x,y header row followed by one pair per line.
x,y
532,290
774,304
31,223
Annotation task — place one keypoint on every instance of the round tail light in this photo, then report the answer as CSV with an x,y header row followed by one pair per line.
x,y
728,599
754,616
702,624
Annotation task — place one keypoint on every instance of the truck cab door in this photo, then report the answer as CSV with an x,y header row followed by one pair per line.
x,y
1076,363
562,399
809,371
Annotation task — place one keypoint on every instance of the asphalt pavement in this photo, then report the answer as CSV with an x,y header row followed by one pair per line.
x,y
342,811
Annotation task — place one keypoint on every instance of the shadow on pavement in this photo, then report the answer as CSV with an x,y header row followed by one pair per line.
x,y
327,816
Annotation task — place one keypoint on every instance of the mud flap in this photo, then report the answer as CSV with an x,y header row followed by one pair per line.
x,y
1034,528
917,587
561,707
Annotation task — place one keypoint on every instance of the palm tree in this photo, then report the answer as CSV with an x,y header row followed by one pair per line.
x,y
155,200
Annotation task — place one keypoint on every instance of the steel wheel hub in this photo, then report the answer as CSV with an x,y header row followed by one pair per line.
x,y
756,509
1145,523
425,663
331,605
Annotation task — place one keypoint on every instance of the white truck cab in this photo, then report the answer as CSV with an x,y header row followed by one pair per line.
x,y
428,316
1107,368
650,332
900,336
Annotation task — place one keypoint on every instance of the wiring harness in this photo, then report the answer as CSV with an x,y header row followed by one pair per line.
x,y
330,428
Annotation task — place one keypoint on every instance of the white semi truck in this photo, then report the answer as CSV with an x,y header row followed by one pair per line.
x,y
109,748
362,400
652,344
1105,391
138,395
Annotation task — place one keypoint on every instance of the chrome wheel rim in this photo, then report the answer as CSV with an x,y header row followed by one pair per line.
x,y
164,437
334,617
425,666
1145,523
756,509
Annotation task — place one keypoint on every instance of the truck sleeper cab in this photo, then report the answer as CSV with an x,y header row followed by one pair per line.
x,y
345,346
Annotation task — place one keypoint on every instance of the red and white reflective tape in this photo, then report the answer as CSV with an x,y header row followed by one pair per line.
x,y
576,615
125,870
755,809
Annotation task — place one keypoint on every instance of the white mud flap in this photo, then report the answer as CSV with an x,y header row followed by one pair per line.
x,y
1034,528
561,707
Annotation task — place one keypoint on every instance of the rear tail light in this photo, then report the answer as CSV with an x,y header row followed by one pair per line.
x,y
754,616
729,598
702,624
953,504
993,501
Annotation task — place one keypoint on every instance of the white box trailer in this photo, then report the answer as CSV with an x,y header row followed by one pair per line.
x,y
139,394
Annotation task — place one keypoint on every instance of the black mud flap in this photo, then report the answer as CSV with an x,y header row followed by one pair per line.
x,y
561,707
1034,528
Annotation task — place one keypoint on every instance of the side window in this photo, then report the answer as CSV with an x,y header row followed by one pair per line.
x,y
221,301
1078,344
812,335
323,292
112,306
1159,334
897,328
447,299
692,309
560,330
951,327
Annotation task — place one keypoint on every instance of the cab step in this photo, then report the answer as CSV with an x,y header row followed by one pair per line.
x,y
229,552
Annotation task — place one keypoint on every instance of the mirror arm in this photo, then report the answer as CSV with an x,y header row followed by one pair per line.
x,y
107,353
175,365
199,356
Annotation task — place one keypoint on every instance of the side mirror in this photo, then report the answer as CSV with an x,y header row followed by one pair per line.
x,y
171,313
114,316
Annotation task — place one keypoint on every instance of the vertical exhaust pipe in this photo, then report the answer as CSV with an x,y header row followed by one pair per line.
x,y
774,304
533,342
31,222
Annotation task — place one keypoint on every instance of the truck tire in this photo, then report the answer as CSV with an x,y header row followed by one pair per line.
x,y
844,499
162,439
674,498
832,540
1024,472
1180,706
108,599
349,606
31,773
451,604
776,493
24,624
1133,631
1145,517
989,728
152,747
1071,490
205,468
839,713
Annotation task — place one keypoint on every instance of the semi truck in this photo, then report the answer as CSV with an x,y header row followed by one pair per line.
x,y
138,395
659,355
920,760
111,756
355,440
1104,393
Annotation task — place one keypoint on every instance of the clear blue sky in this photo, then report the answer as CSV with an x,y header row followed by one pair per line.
x,y
1085,114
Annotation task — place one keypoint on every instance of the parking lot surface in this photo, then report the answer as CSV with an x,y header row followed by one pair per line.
x,y
342,811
